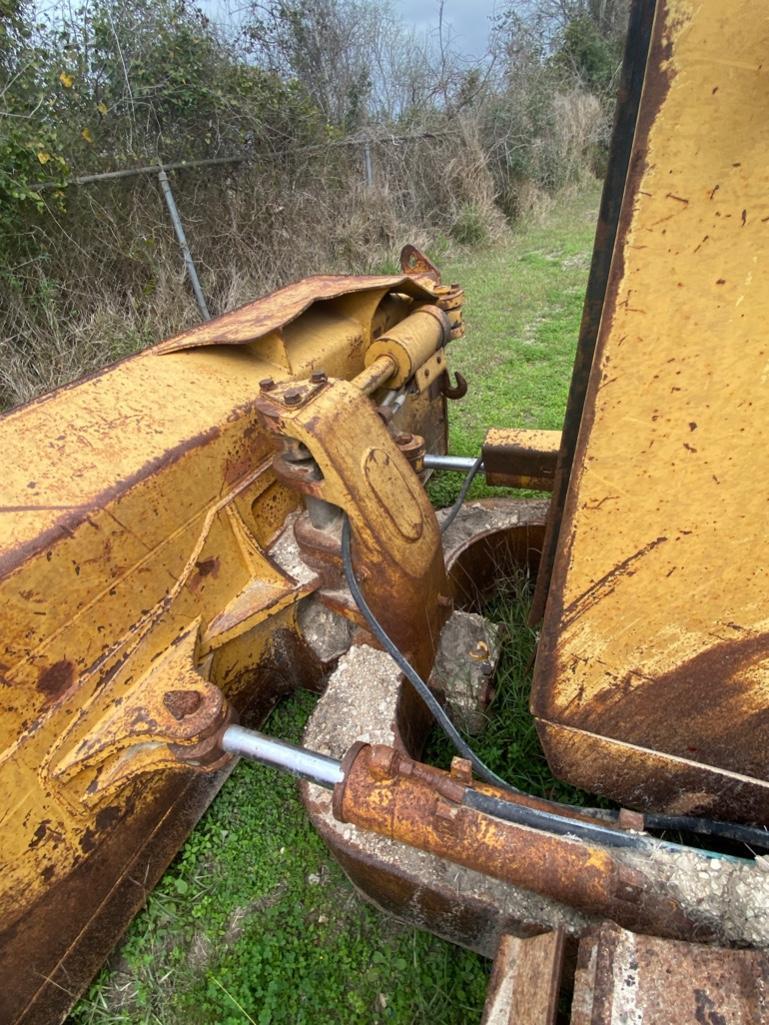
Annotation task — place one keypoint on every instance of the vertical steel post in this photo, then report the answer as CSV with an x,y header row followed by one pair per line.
x,y
368,165
182,240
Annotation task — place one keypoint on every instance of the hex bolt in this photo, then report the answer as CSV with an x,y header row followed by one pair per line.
x,y
266,384
292,397
318,377
404,439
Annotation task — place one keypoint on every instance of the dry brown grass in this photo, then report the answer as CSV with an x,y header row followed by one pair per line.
x,y
110,278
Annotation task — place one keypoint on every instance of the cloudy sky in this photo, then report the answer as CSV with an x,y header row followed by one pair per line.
x,y
468,20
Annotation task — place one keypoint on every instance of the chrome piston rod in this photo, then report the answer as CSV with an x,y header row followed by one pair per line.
x,y
459,464
327,772
316,768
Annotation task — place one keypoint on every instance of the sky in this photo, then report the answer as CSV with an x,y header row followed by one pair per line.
x,y
467,20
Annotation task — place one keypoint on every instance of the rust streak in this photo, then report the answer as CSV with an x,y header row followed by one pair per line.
x,y
576,607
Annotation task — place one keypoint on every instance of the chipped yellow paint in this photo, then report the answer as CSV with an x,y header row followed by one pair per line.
x,y
656,633
394,531
137,513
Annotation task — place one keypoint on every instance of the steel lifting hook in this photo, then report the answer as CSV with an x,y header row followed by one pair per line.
x,y
457,391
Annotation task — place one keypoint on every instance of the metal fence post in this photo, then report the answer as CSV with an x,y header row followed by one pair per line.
x,y
182,240
368,165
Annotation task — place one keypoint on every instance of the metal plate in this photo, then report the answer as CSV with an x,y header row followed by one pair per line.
x,y
520,458
653,668
136,506
626,979
626,112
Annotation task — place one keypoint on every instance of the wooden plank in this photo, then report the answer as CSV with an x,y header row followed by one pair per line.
x,y
525,981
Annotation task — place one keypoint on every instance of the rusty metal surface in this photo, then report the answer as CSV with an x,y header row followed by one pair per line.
x,y
654,646
485,545
138,513
46,961
449,904
414,262
273,313
526,980
386,792
357,466
172,713
620,156
626,979
90,442
520,458
647,779
455,391
413,448
65,934
489,537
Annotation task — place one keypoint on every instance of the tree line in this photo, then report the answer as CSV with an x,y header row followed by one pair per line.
x,y
308,92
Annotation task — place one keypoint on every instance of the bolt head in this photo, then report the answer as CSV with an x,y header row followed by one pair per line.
x,y
383,763
318,377
292,397
181,703
266,384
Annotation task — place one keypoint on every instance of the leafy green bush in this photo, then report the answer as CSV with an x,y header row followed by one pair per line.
x,y
455,154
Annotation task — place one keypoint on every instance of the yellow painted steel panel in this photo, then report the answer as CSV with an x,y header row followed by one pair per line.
x,y
656,632
137,512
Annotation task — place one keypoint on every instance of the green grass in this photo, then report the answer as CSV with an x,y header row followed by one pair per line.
x,y
523,304
254,922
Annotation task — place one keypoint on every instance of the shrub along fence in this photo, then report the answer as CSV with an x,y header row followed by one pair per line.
x,y
319,137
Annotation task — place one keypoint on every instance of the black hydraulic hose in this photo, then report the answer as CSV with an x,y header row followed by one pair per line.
x,y
561,825
469,478
535,818
552,822
416,681
752,836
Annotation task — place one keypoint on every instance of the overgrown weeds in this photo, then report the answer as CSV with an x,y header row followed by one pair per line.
x,y
353,137
112,279
509,741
